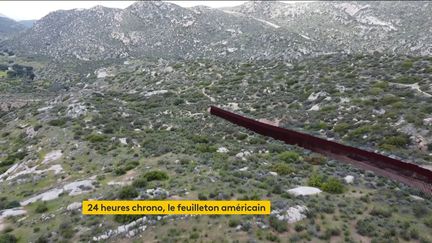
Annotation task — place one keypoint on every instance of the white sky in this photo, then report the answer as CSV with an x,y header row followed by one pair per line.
x,y
24,10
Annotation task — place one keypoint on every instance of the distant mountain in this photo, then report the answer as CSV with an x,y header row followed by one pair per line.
x,y
27,23
153,30
8,27
401,27
254,30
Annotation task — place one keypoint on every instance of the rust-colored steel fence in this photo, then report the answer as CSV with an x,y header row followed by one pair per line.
x,y
408,173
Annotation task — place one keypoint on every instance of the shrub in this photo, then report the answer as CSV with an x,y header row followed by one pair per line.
x,y
57,122
407,64
201,196
194,236
127,192
41,208
331,232
315,180
428,221
315,159
381,85
278,225
204,148
414,233
341,128
5,204
124,218
360,131
119,171
289,156
96,138
272,237
299,227
420,210
66,230
381,212
398,141
199,139
365,228
282,169
155,176
407,79
333,185
140,182
375,91
8,238
12,158
233,223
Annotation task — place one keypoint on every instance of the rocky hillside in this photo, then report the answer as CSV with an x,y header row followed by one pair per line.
x,y
401,27
154,29
27,23
9,27
258,30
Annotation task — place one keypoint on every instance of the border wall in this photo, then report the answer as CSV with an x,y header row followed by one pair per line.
x,y
408,173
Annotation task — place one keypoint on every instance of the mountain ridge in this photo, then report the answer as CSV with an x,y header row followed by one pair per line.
x,y
253,30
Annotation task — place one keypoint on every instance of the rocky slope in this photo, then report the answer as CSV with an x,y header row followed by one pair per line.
x,y
9,27
258,30
153,30
401,27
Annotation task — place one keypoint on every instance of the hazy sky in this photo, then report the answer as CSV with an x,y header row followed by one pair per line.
x,y
23,10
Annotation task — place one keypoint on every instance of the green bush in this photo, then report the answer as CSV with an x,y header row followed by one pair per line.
x,y
96,138
381,212
360,131
127,192
12,158
66,230
272,237
233,223
299,227
204,148
420,210
278,225
398,141
8,238
315,180
5,204
365,227
289,156
57,122
155,176
202,197
381,85
122,219
282,169
41,208
194,235
428,221
333,185
199,139
407,64
389,99
375,91
407,79
315,159
341,128
119,171
140,182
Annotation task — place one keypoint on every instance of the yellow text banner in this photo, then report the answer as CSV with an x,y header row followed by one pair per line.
x,y
175,207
